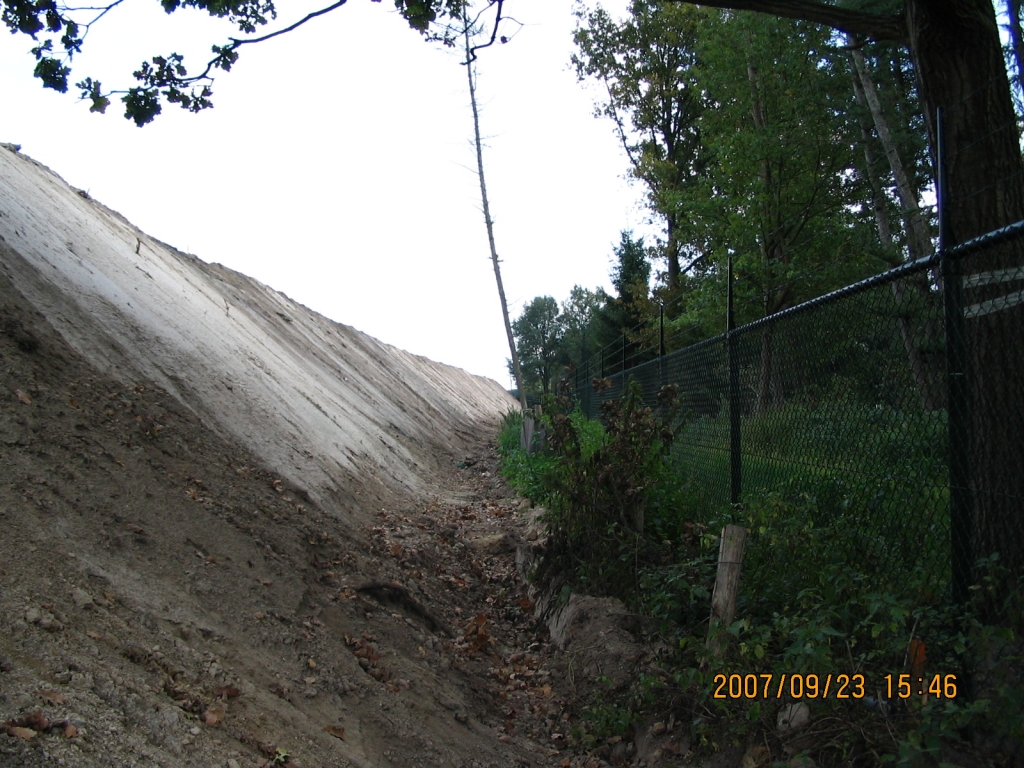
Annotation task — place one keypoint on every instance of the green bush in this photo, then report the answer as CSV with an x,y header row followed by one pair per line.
x,y
527,474
846,564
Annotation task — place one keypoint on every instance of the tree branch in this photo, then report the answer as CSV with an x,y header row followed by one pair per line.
x,y
874,26
235,43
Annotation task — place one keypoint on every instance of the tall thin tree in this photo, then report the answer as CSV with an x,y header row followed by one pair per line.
x,y
485,203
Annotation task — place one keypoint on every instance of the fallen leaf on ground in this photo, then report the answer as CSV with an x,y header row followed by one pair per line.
x,y
756,756
70,731
21,733
37,721
26,399
52,697
337,731
228,692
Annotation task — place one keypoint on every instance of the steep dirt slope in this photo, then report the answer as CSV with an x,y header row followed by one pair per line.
x,y
204,495
318,402
167,601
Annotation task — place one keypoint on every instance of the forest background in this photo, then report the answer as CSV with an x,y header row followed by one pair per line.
x,y
799,152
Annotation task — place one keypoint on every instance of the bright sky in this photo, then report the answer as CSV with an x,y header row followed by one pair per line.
x,y
337,165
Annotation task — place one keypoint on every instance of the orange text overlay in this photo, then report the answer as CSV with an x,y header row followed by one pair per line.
x,y
836,686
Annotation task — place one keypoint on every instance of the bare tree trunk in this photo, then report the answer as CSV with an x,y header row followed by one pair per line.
x,y
921,341
918,237
516,368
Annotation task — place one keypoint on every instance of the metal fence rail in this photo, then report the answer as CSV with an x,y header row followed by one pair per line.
x,y
890,405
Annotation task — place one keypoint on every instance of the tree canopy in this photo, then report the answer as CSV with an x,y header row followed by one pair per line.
x,y
60,32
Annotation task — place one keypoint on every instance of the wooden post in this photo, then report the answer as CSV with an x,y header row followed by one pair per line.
x,y
526,435
727,582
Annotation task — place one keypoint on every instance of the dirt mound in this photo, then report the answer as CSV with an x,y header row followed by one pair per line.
x,y
317,401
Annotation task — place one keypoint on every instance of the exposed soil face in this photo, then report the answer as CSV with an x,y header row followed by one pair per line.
x,y
167,601
195,570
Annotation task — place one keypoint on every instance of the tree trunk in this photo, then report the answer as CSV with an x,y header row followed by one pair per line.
x,y
516,368
921,340
957,53
918,237
672,254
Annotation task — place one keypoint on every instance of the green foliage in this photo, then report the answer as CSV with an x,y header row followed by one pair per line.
x,y
740,126
539,333
604,720
631,271
53,74
816,599
883,504
577,315
166,78
600,487
645,65
616,322
527,474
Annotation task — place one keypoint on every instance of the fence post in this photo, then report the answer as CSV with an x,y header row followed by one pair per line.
x,y
727,584
736,458
958,412
588,389
661,345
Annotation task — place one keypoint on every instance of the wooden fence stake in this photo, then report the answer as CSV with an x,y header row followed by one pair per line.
x,y
727,582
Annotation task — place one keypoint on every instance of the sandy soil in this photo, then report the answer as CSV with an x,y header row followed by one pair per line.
x,y
317,401
235,533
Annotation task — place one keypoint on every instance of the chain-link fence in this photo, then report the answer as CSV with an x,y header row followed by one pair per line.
x,y
895,404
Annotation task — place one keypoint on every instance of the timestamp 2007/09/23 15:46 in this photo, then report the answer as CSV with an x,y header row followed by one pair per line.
x,y
838,686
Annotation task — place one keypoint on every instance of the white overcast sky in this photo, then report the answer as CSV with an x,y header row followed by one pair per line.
x,y
337,166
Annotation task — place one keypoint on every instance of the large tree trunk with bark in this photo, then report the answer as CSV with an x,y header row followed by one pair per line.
x,y
957,53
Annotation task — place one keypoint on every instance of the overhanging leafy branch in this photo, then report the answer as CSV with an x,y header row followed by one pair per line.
x,y
166,78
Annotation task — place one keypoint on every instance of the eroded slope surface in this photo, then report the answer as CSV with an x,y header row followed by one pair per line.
x,y
167,601
233,533
317,401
